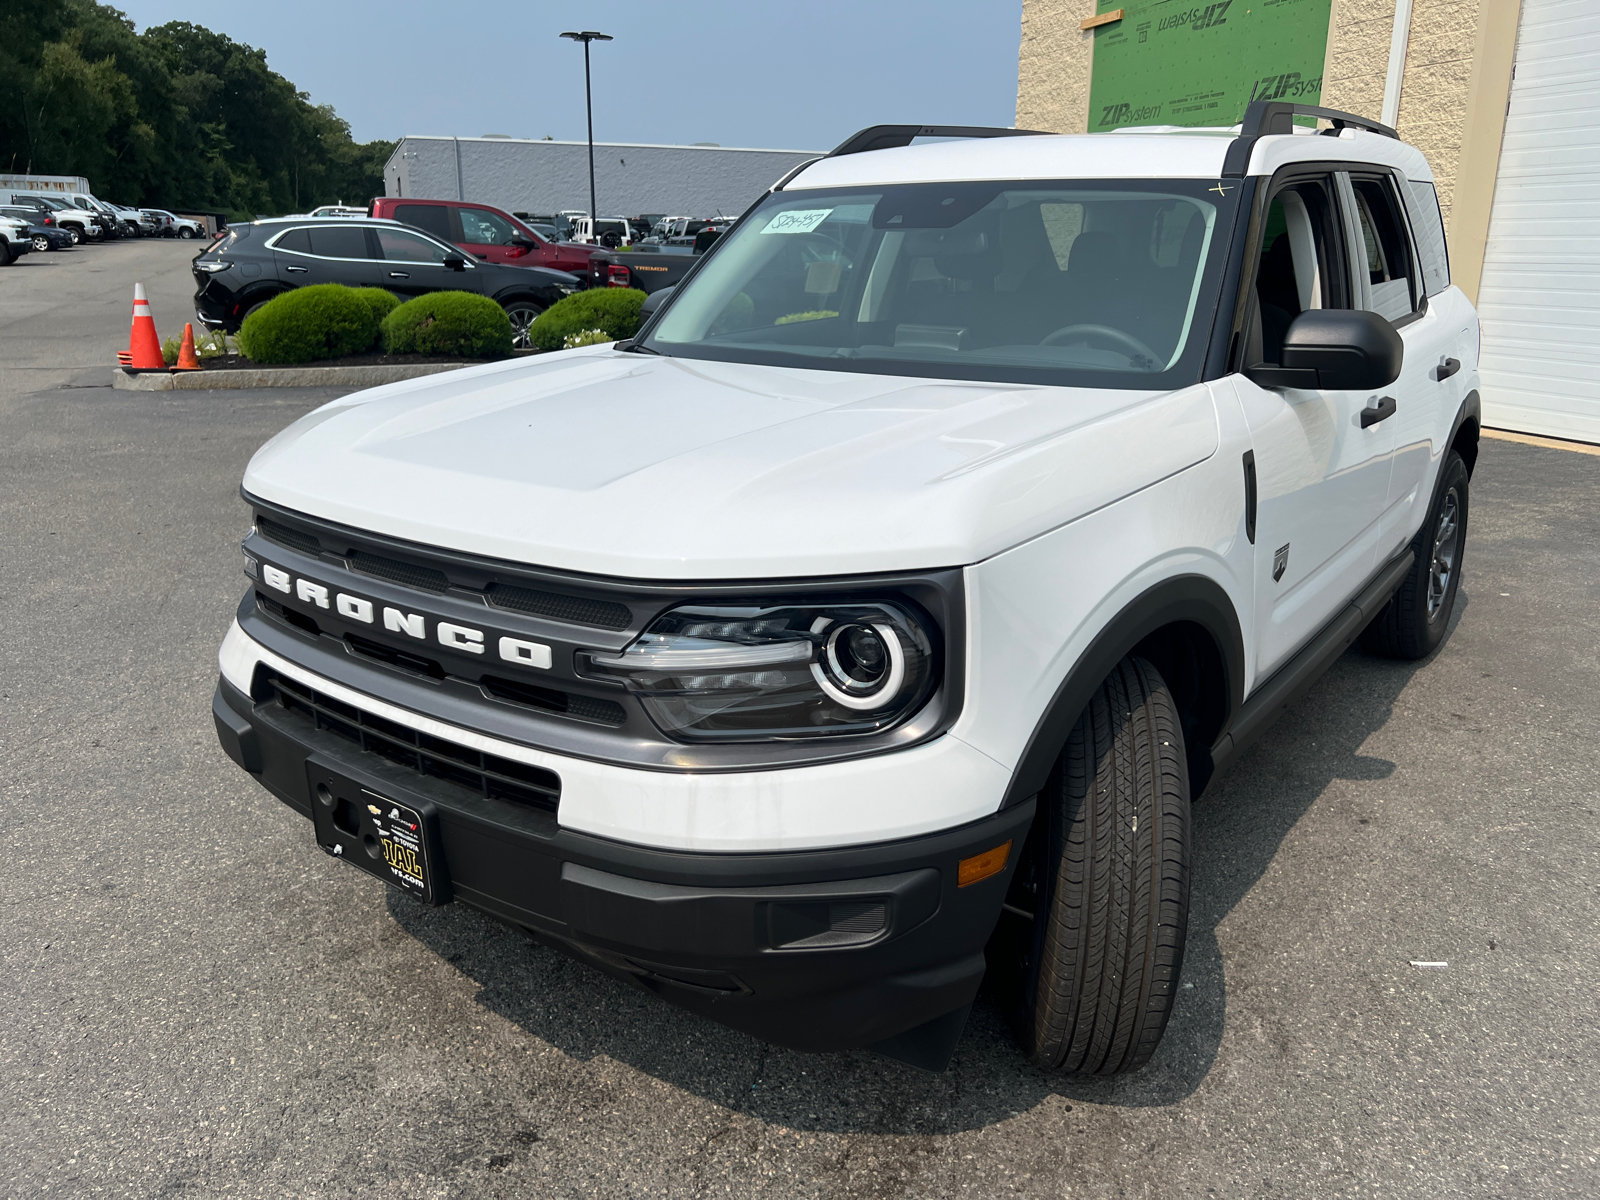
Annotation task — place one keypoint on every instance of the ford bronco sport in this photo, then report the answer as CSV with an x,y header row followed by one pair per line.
x,y
868,623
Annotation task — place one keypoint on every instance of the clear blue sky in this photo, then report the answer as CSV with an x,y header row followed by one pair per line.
x,y
759,73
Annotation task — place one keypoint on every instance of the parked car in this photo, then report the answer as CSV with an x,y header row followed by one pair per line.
x,y
74,220
43,232
485,232
252,263
610,232
172,225
135,221
15,240
650,267
867,624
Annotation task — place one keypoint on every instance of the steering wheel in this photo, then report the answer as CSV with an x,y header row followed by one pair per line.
x,y
1124,341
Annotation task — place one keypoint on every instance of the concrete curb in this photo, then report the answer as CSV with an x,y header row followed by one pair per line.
x,y
355,377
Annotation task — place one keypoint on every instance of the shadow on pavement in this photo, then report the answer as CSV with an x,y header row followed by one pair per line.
x,y
1238,828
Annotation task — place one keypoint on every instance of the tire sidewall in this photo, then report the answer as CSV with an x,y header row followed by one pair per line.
x,y
1452,478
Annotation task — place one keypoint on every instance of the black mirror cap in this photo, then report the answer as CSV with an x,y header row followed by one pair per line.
x,y
654,301
524,243
1340,349
455,262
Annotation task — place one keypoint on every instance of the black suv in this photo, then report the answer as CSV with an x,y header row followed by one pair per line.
x,y
252,263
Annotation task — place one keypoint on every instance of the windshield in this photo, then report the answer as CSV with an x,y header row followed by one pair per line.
x,y
1084,282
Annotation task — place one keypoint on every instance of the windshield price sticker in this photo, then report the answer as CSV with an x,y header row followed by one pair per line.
x,y
799,220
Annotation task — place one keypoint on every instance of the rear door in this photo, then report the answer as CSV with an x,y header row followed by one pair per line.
x,y
1430,387
324,254
1322,478
413,265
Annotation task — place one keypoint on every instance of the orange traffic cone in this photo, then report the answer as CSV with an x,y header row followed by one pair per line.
x,y
144,347
186,356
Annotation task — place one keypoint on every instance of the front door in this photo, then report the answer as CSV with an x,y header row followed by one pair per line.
x,y
1321,477
414,265
488,236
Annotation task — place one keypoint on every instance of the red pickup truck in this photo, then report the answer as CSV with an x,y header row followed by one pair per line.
x,y
485,232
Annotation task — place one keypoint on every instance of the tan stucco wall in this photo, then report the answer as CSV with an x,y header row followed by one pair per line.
x,y
1053,66
1434,92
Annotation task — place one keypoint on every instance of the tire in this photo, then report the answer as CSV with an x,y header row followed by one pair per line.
x,y
1111,859
6,257
522,313
1414,622
186,233
41,244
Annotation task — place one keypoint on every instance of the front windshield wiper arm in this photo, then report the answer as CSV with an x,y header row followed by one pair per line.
x,y
629,346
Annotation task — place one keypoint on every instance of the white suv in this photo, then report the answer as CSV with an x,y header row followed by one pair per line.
x,y
869,621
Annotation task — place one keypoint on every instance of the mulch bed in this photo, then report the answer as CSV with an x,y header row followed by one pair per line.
x,y
238,362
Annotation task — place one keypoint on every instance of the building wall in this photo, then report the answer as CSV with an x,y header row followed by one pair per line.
x,y
1054,66
547,177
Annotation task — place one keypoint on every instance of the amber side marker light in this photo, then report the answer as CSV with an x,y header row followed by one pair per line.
x,y
980,866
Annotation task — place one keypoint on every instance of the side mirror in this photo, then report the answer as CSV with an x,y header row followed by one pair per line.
x,y
654,301
455,262
1339,349
522,243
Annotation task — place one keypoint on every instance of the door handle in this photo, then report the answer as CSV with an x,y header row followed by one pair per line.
x,y
1380,409
298,270
1445,369
399,275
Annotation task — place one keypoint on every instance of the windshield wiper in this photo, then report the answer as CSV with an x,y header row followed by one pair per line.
x,y
629,346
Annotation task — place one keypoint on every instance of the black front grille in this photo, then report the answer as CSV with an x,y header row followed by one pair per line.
x,y
488,775
425,578
583,708
304,542
574,610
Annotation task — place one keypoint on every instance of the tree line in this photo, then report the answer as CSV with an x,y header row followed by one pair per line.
x,y
177,116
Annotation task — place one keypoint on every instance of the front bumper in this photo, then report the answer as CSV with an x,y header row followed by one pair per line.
x,y
855,946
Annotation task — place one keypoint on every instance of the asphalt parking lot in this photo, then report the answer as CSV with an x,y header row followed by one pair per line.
x,y
198,1002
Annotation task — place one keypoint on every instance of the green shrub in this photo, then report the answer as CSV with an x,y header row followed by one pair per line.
x,y
325,320
169,350
381,302
613,311
461,323
589,337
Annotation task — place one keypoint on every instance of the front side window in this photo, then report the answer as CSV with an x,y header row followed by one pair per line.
x,y
399,246
1299,267
479,228
1083,282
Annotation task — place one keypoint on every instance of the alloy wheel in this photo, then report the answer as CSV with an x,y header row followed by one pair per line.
x,y
1446,540
522,318
41,243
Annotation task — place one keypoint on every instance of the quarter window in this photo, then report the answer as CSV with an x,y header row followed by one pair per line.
x,y
397,245
1432,256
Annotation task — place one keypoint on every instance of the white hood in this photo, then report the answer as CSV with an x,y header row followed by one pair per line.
x,y
668,468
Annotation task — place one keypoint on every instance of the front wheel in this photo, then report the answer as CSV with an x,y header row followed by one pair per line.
x,y
522,313
1417,616
186,233
1109,865
41,243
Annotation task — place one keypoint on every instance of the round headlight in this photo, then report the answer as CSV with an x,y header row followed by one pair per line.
x,y
861,666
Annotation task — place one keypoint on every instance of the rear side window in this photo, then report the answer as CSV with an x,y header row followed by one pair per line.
x,y
430,218
338,241
1384,246
396,245
1422,202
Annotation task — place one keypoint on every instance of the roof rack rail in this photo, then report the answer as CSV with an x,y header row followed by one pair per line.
x,y
888,137
1266,117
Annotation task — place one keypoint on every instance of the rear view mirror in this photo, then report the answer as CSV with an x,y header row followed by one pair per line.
x,y
1339,349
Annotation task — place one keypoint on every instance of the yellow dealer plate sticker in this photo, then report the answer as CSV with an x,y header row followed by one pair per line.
x,y
400,848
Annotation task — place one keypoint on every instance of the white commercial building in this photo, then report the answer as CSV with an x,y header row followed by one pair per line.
x,y
522,175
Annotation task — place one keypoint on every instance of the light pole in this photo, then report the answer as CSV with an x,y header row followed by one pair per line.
x,y
587,36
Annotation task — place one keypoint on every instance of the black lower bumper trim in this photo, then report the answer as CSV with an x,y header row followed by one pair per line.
x,y
859,946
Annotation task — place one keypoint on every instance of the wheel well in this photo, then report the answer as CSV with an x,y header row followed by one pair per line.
x,y
1192,665
1465,443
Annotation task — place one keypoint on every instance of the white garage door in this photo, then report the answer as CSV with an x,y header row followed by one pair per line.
x,y
1540,295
